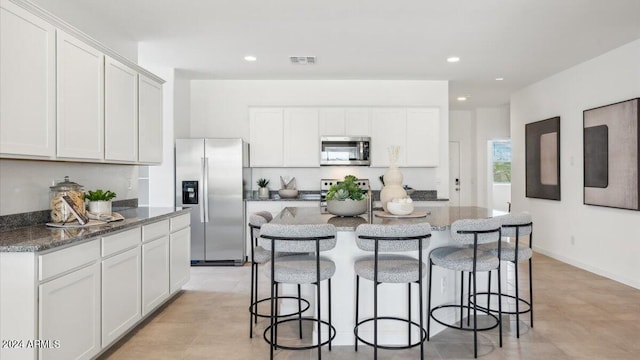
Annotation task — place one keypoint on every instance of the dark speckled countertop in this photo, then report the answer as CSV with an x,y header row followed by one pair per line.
x,y
40,237
439,217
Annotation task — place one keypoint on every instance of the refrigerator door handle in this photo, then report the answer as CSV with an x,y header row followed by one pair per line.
x,y
201,190
206,189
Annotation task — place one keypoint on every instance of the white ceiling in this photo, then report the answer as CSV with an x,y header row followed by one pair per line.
x,y
522,41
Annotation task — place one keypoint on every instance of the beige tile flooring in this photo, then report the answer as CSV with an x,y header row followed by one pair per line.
x,y
578,315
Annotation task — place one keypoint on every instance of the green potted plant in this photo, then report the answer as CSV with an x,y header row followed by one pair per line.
x,y
346,198
100,201
263,191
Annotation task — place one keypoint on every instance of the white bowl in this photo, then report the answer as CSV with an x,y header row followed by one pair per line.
x,y
347,207
288,193
397,208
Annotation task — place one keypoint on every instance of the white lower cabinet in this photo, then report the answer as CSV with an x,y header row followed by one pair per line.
x,y
155,273
69,312
121,293
180,249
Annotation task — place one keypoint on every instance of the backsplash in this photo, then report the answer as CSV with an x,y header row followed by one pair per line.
x,y
24,184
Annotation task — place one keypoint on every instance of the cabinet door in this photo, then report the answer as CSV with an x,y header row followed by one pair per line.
x,y
155,273
121,293
388,128
266,137
80,105
27,89
357,122
69,311
301,139
180,250
149,120
423,137
120,112
332,121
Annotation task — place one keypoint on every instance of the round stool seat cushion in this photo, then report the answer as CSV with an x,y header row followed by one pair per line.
x,y
392,268
301,269
461,259
509,251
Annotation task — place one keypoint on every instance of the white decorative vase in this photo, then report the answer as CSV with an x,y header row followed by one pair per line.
x,y
100,207
392,180
347,207
263,193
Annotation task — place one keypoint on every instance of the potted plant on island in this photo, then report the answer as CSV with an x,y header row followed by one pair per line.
x,y
263,191
346,198
100,201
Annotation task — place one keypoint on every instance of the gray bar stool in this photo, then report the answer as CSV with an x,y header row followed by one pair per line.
x,y
260,255
309,268
391,268
514,226
470,258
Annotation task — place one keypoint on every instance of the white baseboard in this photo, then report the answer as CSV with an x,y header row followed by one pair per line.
x,y
635,283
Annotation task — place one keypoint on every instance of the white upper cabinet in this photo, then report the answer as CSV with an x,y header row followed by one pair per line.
x,y
344,121
120,111
423,137
301,138
80,87
266,137
149,120
388,128
27,83
357,122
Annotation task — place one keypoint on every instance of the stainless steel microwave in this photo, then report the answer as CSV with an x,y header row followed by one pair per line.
x,y
345,150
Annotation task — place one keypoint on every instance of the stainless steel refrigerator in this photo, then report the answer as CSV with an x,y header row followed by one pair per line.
x,y
212,176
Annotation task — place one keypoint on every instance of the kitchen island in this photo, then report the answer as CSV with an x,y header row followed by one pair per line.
x,y
392,297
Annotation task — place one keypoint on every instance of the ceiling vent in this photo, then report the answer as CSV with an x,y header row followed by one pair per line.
x,y
303,60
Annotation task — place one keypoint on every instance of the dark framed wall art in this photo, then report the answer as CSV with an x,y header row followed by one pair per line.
x,y
611,162
542,149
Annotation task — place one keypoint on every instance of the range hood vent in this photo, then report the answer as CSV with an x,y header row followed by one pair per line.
x,y
303,60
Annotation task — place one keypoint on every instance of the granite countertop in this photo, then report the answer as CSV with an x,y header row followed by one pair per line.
x,y
439,217
305,195
40,237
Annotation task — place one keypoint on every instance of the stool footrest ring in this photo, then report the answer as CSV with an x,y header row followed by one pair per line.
x,y
332,331
507,312
463,322
423,333
256,313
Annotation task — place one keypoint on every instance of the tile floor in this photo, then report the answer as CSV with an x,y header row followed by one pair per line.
x,y
578,315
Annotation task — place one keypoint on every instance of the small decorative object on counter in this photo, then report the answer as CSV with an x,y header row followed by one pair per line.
x,y
392,180
59,211
263,191
100,201
288,188
402,206
346,198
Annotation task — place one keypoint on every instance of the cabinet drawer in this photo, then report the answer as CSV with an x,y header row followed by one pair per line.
x,y
155,230
114,243
180,222
58,262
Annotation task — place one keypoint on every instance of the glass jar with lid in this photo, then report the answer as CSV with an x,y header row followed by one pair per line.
x,y
59,211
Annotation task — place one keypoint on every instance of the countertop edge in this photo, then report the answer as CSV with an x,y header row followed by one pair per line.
x,y
50,244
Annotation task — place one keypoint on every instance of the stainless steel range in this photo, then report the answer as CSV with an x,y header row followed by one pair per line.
x,y
325,184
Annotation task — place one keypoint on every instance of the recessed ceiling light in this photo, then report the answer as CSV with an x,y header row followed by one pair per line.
x,y
499,78
453,59
462,98
250,58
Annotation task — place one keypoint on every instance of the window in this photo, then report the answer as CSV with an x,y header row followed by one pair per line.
x,y
502,161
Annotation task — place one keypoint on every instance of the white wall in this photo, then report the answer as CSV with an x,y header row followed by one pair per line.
x,y
462,130
606,240
82,17
490,124
24,185
219,108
